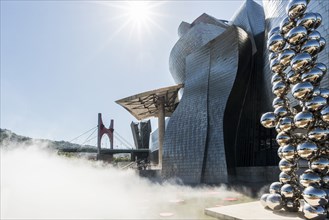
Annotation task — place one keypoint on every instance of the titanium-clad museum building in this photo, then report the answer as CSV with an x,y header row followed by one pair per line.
x,y
214,134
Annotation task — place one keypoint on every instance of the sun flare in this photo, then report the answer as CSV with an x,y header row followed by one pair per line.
x,y
139,12
138,20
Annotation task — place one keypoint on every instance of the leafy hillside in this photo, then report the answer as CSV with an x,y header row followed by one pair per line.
x,y
9,139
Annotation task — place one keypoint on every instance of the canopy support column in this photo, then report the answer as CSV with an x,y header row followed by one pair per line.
x,y
161,126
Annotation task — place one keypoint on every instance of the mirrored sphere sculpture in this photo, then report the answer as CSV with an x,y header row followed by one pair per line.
x,y
296,8
268,120
309,177
302,91
307,150
263,199
314,212
303,128
274,201
315,196
304,119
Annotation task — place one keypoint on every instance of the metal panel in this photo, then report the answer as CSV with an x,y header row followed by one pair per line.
x,y
202,30
224,66
185,138
194,144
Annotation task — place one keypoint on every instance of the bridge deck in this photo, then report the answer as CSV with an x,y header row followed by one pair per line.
x,y
104,151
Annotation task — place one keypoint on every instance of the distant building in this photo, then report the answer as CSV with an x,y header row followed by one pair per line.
x,y
141,133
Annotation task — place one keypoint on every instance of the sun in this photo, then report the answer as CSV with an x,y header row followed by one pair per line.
x,y
138,20
139,12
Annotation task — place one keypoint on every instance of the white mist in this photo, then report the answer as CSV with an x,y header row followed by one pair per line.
x,y
38,184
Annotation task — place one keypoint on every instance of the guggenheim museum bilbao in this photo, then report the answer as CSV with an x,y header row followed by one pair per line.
x,y
214,135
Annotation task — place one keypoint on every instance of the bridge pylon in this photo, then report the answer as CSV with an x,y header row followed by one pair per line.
x,y
101,131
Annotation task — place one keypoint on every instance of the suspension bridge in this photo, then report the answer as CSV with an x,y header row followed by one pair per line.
x,y
106,154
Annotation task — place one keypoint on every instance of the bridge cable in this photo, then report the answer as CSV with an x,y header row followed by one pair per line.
x,y
89,140
83,133
117,138
122,138
95,129
123,142
127,142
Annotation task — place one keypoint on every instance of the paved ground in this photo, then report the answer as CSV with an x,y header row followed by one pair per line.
x,y
250,210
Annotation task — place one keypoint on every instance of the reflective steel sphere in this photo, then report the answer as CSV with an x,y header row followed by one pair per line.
x,y
316,103
302,91
280,152
293,77
324,93
276,43
315,196
276,77
309,177
283,138
313,76
322,43
318,134
274,201
320,164
276,66
308,20
268,120
272,56
286,25
288,191
324,114
286,56
280,89
296,36
286,178
286,124
314,212
301,62
263,200
275,30
304,119
315,35
322,67
287,166
318,20
289,152
307,150
281,111
311,46
275,187
279,102
296,8
292,205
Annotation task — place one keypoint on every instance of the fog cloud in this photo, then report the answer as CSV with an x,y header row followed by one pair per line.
x,y
39,184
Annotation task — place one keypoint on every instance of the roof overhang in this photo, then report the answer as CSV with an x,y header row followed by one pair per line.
x,y
145,105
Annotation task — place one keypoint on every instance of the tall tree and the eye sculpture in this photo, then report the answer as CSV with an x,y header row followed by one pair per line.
x,y
301,118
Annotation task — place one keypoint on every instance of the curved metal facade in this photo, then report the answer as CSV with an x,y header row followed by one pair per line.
x,y
204,29
194,149
225,70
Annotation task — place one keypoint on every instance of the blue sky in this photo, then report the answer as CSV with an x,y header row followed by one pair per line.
x,y
62,62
